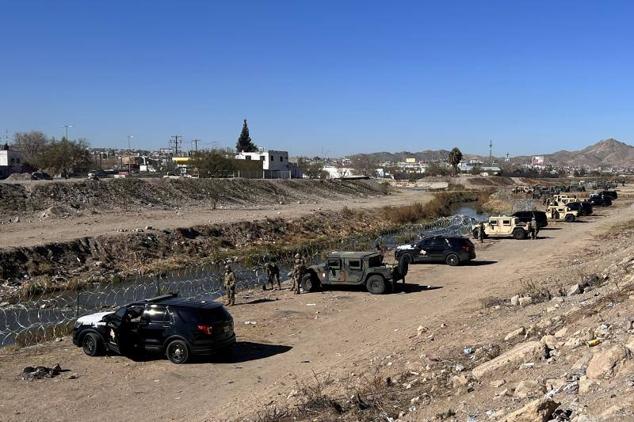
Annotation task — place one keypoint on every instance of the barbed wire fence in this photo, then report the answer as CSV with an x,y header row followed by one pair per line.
x,y
43,317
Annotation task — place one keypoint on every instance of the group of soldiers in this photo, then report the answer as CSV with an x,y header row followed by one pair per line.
x,y
533,228
273,278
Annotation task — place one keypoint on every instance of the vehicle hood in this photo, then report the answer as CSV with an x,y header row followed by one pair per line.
x,y
93,319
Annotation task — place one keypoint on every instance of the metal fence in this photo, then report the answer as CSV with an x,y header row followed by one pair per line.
x,y
39,318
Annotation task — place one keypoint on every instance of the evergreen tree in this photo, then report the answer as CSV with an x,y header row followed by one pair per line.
x,y
244,141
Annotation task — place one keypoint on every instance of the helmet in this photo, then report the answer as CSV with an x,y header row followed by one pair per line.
x,y
227,267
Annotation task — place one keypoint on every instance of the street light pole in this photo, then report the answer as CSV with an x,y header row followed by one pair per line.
x,y
130,154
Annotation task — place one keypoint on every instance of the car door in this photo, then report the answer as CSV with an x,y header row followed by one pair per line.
x,y
423,250
333,270
436,248
354,270
154,322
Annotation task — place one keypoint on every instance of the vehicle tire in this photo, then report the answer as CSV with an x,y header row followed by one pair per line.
x,y
570,218
91,344
476,233
403,264
177,351
452,259
519,234
309,282
376,284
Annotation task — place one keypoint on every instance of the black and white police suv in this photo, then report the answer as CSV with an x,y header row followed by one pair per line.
x,y
170,325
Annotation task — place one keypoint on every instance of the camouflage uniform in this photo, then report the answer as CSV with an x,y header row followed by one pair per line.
x,y
298,272
273,274
535,228
230,286
481,233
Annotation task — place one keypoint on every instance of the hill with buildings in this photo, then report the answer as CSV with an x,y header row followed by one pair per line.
x,y
606,153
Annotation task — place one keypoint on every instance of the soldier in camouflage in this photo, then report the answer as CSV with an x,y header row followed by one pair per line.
x,y
298,271
230,286
273,274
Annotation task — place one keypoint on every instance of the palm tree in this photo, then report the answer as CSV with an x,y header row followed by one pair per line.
x,y
455,157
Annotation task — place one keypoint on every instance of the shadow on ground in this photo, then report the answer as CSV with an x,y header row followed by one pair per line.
x,y
242,351
479,263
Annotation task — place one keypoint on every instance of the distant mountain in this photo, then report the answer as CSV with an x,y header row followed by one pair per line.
x,y
606,153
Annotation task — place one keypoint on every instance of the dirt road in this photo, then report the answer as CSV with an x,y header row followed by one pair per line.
x,y
295,337
34,231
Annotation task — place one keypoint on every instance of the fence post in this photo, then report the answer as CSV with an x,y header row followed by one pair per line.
x,y
158,285
77,304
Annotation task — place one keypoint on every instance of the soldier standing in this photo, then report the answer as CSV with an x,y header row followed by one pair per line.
x,y
535,227
529,228
273,274
230,286
481,232
298,272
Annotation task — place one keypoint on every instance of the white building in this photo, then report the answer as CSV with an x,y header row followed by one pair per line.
x,y
10,161
271,160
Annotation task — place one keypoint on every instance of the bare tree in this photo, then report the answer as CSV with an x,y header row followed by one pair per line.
x,y
32,144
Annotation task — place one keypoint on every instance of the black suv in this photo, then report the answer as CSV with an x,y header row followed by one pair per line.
x,y
177,327
600,200
526,216
610,194
583,208
450,250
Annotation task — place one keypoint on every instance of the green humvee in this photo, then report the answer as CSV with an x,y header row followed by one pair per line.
x,y
353,269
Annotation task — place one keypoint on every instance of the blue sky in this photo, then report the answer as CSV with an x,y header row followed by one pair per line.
x,y
322,77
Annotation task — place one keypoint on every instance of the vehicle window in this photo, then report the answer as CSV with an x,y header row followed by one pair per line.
x,y
156,313
506,222
333,263
493,222
375,261
436,242
354,264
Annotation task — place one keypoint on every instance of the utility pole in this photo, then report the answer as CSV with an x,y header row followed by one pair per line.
x,y
490,152
175,141
195,142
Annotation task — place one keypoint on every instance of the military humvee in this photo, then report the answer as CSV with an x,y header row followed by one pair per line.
x,y
353,269
561,213
502,226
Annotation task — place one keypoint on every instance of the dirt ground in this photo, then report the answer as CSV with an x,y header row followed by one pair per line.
x,y
34,231
294,338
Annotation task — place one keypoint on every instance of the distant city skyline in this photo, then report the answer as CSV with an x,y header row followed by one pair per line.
x,y
324,78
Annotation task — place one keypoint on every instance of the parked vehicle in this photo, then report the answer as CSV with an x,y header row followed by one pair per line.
x,y
452,250
582,208
170,325
600,200
562,213
354,269
610,193
502,226
526,216
40,175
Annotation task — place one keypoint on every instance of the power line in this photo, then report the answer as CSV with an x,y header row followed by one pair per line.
x,y
175,142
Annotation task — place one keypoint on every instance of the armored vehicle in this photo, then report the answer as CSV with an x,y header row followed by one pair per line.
x,y
502,226
562,213
354,269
